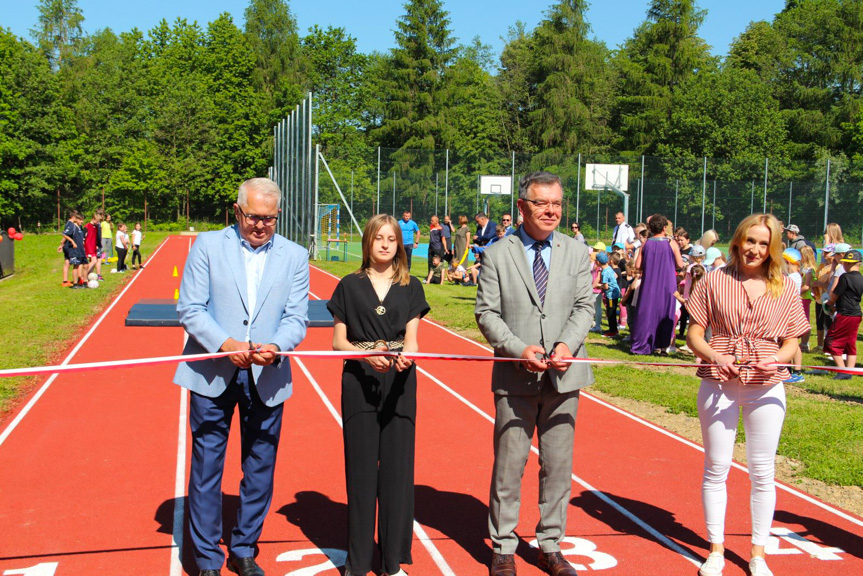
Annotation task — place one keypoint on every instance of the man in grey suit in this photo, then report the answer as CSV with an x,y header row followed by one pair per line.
x,y
245,289
535,302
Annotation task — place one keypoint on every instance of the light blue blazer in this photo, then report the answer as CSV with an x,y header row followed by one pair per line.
x,y
213,306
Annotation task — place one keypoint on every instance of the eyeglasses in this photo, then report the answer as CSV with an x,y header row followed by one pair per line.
x,y
254,219
506,219
543,204
575,227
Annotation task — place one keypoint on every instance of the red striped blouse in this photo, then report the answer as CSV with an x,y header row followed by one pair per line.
x,y
750,330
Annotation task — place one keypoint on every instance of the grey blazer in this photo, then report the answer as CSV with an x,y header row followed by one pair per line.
x,y
511,317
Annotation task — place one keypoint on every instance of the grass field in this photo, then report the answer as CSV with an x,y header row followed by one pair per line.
x,y
823,428
41,318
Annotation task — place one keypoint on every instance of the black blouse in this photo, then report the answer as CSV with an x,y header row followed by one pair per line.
x,y
354,302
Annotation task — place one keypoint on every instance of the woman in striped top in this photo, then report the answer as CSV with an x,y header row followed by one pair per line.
x,y
756,317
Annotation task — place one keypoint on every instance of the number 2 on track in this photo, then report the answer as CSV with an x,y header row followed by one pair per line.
x,y
335,559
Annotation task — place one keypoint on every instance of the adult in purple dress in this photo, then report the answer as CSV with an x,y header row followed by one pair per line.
x,y
658,259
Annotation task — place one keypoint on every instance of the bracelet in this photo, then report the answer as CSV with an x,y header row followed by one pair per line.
x,y
776,359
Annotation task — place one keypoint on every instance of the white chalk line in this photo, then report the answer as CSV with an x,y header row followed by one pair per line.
x,y
29,406
422,536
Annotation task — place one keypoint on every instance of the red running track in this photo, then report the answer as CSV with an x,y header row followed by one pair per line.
x,y
94,470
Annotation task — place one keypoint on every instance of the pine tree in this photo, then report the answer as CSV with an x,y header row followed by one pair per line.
x,y
59,29
417,68
664,53
573,86
271,31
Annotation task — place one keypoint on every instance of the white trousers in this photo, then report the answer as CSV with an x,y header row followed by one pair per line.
x,y
719,406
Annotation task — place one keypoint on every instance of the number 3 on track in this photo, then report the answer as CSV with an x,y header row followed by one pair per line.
x,y
582,547
335,559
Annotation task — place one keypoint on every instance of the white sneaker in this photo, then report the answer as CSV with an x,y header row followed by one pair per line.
x,y
758,567
399,573
713,565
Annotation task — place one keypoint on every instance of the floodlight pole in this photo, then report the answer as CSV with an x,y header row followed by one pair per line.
x,y
827,195
765,185
641,190
790,187
713,225
676,191
703,193
446,185
512,192
317,222
378,204
577,185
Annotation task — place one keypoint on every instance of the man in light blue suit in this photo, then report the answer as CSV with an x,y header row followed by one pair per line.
x,y
244,289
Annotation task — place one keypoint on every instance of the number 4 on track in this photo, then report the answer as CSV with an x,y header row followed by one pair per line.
x,y
44,569
801,545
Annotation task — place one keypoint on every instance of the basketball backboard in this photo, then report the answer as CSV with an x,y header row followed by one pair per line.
x,y
607,177
497,185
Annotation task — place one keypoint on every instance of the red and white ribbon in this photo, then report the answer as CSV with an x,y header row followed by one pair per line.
x,y
339,355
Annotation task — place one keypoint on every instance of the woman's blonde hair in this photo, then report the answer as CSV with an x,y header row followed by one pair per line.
x,y
772,267
834,233
807,258
401,273
708,239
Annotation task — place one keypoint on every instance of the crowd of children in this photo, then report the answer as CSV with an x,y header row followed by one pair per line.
x,y
86,247
835,286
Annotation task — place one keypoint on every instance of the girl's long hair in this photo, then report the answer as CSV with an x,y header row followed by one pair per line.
x,y
401,274
807,258
834,233
772,267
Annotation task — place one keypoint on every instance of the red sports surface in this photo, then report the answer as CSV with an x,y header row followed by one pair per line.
x,y
94,472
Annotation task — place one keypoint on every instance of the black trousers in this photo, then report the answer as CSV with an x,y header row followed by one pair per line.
x,y
121,259
611,313
684,322
136,253
409,249
379,418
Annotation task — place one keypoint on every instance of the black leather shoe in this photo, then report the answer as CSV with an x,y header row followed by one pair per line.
x,y
210,573
244,566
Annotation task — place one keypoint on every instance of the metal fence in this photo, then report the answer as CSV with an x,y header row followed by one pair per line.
x,y
294,171
696,193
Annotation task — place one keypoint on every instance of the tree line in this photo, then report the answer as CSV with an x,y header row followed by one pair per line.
x,y
173,118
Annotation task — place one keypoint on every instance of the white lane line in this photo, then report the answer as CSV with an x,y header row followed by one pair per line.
x,y
24,411
427,542
682,440
661,538
802,495
180,477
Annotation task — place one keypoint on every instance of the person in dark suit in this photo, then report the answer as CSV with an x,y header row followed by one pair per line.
x,y
244,289
485,229
535,302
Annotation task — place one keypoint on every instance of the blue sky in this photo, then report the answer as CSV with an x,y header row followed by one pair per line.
x,y
372,22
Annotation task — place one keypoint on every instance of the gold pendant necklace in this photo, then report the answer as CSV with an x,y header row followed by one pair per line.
x,y
380,310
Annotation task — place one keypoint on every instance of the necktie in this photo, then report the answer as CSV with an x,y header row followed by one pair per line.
x,y
540,272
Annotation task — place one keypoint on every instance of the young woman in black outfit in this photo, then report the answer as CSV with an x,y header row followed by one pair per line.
x,y
379,308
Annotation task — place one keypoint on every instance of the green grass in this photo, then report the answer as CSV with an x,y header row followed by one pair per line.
x,y
823,427
41,318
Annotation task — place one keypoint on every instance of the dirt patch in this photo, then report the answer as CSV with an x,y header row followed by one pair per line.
x,y
848,498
